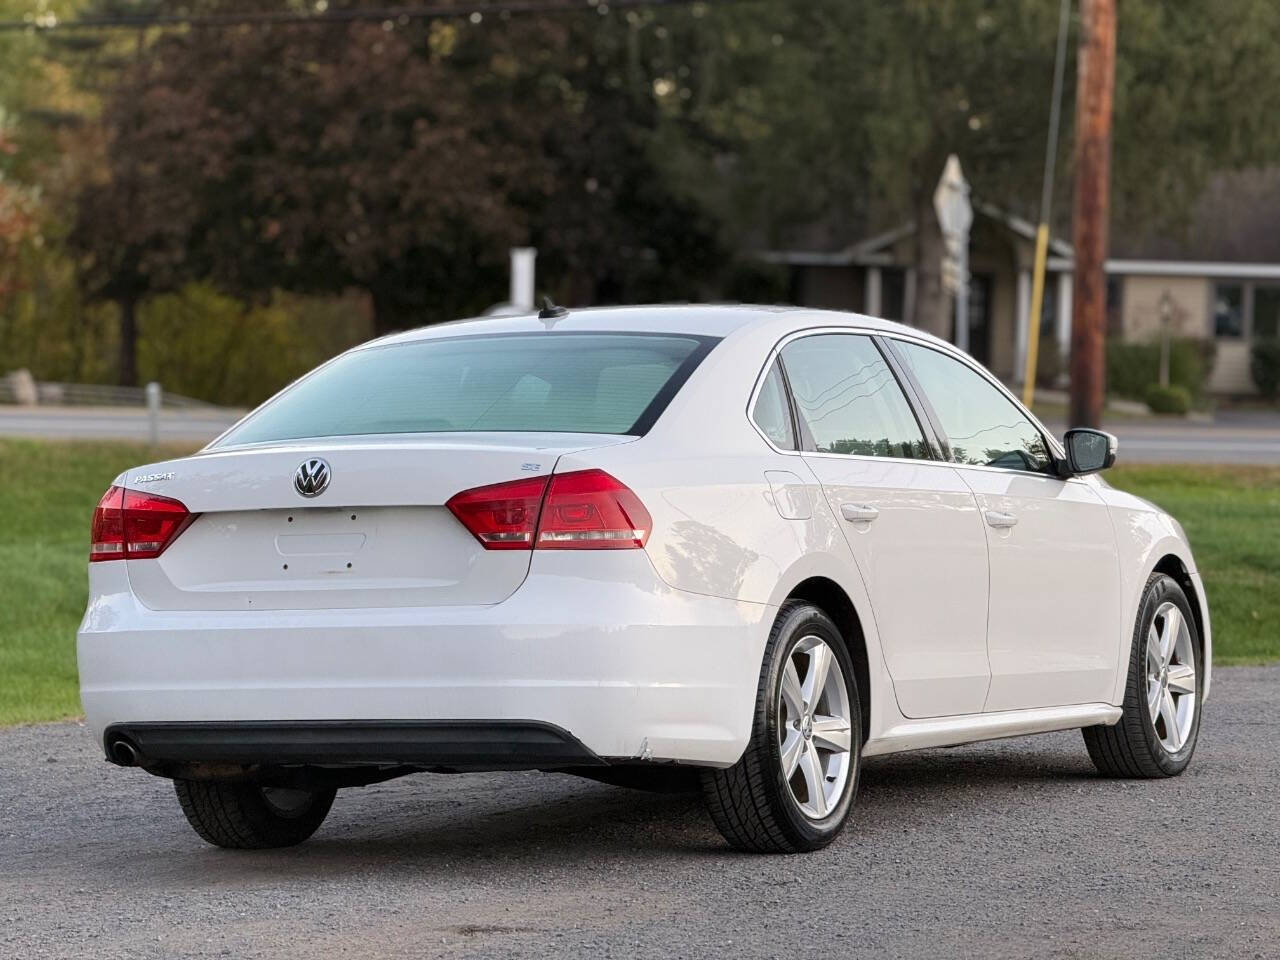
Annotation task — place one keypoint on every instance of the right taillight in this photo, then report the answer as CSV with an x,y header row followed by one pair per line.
x,y
590,510
129,525
582,510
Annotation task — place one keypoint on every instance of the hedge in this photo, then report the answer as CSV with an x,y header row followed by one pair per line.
x,y
1133,367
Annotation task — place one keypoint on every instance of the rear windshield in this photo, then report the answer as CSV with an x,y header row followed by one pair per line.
x,y
545,382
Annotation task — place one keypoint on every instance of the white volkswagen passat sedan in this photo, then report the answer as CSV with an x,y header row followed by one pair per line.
x,y
747,546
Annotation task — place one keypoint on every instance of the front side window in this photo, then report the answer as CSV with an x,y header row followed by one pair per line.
x,y
528,383
771,413
848,398
984,426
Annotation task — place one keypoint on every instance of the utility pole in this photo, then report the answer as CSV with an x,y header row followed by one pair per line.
x,y
1095,68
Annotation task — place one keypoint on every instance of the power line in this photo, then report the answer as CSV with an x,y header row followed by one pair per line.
x,y
48,23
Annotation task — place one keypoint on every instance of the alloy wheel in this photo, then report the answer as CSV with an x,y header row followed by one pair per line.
x,y
815,736
1171,677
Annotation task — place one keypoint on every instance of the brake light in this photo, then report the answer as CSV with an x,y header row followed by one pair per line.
x,y
583,510
590,510
129,525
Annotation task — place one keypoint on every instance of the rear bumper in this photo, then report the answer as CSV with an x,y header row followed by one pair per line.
x,y
429,744
595,645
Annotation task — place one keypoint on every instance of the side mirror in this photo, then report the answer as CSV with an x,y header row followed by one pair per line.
x,y
1088,451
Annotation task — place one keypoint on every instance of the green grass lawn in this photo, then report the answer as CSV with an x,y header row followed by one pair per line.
x,y
1231,514
48,491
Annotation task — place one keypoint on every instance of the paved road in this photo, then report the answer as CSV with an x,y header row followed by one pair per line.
x,y
1229,440
1008,849
196,427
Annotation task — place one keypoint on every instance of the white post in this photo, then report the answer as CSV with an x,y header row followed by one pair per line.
x,y
522,274
153,411
871,302
961,337
1064,316
1023,309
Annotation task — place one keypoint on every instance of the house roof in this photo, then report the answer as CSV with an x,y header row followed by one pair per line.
x,y
874,250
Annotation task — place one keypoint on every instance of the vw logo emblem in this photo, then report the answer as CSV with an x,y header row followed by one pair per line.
x,y
312,478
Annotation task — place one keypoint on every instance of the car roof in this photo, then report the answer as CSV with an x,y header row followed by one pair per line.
x,y
710,320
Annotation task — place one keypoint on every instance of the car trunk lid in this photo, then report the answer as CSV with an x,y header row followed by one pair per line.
x,y
377,535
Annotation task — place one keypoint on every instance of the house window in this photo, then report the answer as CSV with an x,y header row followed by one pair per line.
x,y
1266,312
1115,306
1228,310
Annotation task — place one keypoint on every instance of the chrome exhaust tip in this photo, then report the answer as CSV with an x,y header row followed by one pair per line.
x,y
123,753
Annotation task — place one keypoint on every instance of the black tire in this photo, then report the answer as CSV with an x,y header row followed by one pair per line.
x,y
1132,747
750,802
245,816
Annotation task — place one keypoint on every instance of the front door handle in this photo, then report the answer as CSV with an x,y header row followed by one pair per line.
x,y
858,512
1001,520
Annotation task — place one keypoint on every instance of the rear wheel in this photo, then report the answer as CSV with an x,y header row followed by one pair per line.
x,y
245,816
1157,732
794,786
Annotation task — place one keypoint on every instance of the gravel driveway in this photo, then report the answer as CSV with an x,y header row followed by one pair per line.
x,y
1008,849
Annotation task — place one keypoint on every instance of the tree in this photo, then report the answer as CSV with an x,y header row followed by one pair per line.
x,y
17,222
400,160
840,113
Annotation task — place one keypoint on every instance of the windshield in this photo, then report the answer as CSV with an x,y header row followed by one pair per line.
x,y
615,383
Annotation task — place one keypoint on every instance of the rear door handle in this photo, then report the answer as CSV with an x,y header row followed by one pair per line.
x,y
858,512
997,519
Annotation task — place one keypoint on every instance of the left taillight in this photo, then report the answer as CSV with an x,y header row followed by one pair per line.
x,y
129,525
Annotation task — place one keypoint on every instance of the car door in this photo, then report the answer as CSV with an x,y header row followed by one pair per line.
x,y
1055,575
913,527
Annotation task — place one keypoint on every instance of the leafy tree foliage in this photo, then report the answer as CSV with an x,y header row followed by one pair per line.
x,y
402,160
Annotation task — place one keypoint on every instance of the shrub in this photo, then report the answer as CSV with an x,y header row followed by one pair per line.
x,y
1264,364
1132,367
1172,399
204,344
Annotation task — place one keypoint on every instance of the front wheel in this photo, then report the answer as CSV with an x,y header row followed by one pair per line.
x,y
245,816
794,785
1158,729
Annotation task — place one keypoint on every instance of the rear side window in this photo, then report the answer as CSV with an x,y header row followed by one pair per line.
x,y
849,399
545,382
772,413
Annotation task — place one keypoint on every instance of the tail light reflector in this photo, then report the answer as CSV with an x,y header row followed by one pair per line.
x,y
582,510
129,525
